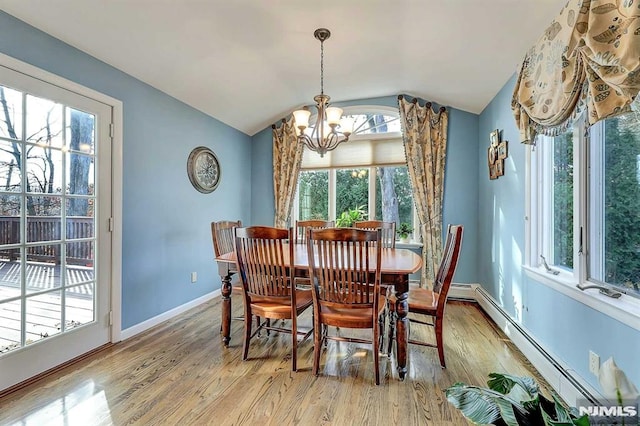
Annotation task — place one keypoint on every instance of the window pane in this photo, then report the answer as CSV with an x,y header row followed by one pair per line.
x,y
11,108
352,195
10,174
44,313
562,208
44,122
10,328
80,131
616,218
394,202
375,123
313,187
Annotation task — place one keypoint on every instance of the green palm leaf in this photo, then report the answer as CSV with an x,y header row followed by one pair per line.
x,y
482,406
504,384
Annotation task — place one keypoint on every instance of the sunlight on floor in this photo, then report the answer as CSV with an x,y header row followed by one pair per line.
x,y
82,406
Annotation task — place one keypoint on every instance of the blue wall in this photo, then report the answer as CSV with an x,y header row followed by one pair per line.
x,y
166,233
566,327
460,196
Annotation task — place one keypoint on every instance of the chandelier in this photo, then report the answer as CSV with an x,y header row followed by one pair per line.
x,y
330,128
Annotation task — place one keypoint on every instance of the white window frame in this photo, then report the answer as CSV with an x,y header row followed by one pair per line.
x,y
371,169
539,226
331,202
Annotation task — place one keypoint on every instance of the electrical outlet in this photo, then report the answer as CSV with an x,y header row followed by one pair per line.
x,y
194,277
594,363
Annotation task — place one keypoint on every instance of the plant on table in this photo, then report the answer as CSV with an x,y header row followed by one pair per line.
x,y
347,218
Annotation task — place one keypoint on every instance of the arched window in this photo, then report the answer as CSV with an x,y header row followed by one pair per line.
x,y
365,176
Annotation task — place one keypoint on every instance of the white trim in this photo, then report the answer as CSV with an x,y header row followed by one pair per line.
x,y
50,78
116,213
152,322
409,245
564,380
462,292
626,309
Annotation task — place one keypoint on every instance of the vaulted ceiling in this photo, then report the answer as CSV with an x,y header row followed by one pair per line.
x,y
248,63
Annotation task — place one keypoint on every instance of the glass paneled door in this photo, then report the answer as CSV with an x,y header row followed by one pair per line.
x,y
55,192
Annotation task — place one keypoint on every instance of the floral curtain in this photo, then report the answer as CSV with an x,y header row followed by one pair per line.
x,y
588,58
287,156
424,134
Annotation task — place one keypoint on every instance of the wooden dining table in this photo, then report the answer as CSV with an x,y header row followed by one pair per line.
x,y
397,265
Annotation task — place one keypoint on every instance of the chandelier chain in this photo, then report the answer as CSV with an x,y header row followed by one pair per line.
x,y
322,67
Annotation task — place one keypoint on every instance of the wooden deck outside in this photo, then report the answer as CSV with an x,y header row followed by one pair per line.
x,y
44,311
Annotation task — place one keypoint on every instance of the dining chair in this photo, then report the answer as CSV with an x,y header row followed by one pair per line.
x,y
268,285
388,230
432,302
344,267
388,240
302,226
223,242
222,236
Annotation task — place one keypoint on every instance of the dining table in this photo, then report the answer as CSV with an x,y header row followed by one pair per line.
x,y
396,267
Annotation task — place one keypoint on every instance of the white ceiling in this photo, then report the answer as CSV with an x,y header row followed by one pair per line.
x,y
249,63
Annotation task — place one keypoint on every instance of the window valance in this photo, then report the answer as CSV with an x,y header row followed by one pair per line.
x,y
588,58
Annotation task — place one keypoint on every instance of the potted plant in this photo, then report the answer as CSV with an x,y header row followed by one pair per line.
x,y
403,232
513,401
347,218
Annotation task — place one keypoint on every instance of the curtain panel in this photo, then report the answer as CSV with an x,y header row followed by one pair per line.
x,y
287,156
588,58
424,134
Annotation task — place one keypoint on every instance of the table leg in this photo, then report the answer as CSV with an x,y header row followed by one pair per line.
x,y
226,309
402,332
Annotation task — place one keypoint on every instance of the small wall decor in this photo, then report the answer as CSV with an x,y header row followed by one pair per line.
x,y
203,169
496,154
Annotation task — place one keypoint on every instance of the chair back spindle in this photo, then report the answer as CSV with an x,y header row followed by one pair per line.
x,y
388,236
303,225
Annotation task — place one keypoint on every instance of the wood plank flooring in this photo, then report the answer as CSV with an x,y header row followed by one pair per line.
x,y
179,373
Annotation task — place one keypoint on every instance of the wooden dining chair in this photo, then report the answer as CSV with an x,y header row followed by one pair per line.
x,y
388,240
223,242
388,230
268,286
344,267
432,302
302,226
222,236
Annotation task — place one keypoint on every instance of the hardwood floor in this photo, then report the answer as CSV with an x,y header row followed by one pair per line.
x,y
179,373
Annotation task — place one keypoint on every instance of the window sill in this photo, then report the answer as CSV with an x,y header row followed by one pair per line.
x,y
409,245
626,309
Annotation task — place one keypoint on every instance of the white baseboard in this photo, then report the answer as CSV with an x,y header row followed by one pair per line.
x,y
564,380
462,292
152,322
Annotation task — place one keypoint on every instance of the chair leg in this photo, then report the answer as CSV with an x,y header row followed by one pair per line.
x,y
247,334
439,342
294,343
317,343
376,354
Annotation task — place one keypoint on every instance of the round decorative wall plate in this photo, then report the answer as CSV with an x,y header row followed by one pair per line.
x,y
203,169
